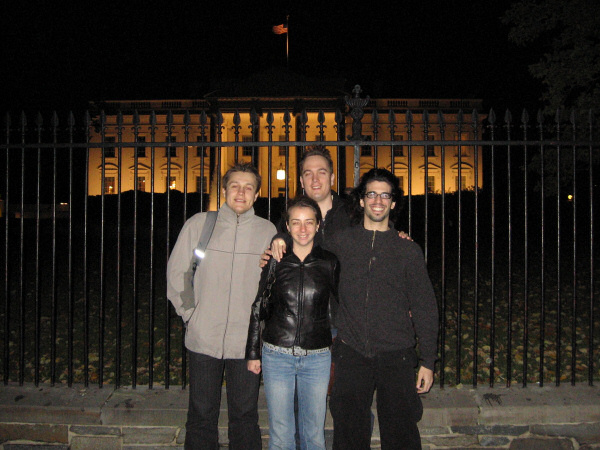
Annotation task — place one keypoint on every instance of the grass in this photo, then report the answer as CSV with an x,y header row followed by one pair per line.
x,y
117,337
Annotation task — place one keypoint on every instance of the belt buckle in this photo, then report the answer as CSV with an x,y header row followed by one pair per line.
x,y
298,351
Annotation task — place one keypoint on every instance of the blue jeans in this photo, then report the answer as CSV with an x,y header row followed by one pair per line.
x,y
281,373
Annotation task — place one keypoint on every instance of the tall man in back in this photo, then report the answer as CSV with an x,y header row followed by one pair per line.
x,y
317,178
386,298
225,286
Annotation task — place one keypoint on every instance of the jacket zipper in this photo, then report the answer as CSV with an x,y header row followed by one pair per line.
x,y
237,222
322,227
300,305
324,221
367,351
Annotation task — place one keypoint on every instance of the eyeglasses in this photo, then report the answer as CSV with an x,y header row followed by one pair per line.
x,y
384,195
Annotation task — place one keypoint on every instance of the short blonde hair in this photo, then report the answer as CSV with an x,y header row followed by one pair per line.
x,y
242,167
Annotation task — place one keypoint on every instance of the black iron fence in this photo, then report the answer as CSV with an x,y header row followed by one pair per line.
x,y
512,257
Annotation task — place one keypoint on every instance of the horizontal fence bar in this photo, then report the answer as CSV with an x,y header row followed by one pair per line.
x,y
348,143
511,254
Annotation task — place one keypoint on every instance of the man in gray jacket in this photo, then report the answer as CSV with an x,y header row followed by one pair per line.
x,y
225,286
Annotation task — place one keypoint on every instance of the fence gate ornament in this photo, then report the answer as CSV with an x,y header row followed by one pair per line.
x,y
356,105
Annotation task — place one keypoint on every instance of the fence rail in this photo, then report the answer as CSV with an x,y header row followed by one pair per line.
x,y
512,257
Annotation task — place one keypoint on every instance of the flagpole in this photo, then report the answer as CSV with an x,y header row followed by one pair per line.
x,y
283,29
287,43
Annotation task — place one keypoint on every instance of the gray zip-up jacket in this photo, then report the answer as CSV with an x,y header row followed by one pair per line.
x,y
225,283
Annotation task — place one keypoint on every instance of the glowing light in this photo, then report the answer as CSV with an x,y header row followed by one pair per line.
x,y
570,197
281,173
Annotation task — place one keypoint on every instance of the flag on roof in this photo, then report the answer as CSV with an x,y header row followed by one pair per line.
x,y
280,29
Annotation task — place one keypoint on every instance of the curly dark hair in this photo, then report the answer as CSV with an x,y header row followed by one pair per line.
x,y
359,192
302,201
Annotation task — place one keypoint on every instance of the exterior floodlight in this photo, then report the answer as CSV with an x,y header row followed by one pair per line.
x,y
281,173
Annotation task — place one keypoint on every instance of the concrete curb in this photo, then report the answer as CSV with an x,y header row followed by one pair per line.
x,y
80,417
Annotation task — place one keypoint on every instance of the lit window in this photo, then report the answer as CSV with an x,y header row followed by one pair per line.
x,y
201,151
141,149
464,149
141,184
282,148
171,151
109,185
463,183
367,150
172,183
430,183
430,148
399,149
247,150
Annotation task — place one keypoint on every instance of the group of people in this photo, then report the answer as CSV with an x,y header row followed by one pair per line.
x,y
342,271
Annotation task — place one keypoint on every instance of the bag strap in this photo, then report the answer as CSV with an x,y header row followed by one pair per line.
x,y
207,229
271,274
187,295
266,294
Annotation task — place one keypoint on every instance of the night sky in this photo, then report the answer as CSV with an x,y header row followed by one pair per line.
x,y
62,58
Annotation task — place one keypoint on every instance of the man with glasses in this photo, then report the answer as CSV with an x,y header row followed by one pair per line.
x,y
386,302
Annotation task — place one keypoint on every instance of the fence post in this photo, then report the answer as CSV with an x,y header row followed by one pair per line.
x,y
356,105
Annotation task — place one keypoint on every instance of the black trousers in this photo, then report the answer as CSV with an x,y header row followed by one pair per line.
x,y
206,379
399,407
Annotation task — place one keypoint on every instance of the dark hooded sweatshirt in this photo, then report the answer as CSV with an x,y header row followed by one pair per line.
x,y
383,280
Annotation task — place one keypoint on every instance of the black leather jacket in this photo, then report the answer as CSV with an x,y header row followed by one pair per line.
x,y
301,296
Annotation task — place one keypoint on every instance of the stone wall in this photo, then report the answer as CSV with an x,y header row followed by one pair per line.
x,y
567,417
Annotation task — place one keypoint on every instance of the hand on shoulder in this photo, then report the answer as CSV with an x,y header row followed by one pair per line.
x,y
404,235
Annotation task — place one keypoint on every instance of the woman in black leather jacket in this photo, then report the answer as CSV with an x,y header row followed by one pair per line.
x,y
297,335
